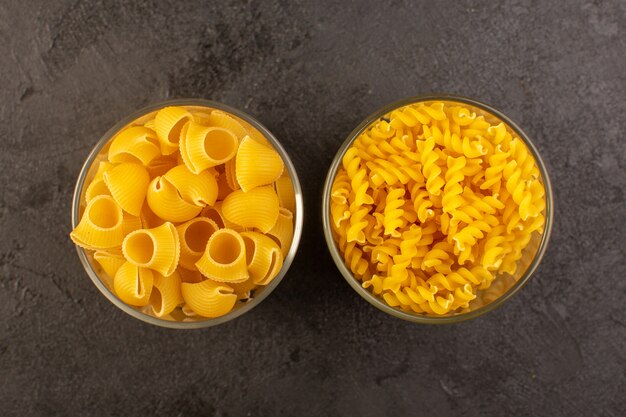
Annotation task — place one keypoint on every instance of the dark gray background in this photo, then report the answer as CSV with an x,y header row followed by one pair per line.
x,y
311,71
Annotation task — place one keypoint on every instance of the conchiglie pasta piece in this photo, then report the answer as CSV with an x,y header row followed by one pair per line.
x,y
166,202
202,118
256,208
103,167
198,189
148,218
133,285
223,187
96,187
224,258
160,165
283,230
168,124
110,261
157,248
243,289
230,174
166,294
101,226
193,236
191,276
263,257
257,164
131,223
221,119
286,193
207,147
149,124
128,184
136,144
209,299
215,213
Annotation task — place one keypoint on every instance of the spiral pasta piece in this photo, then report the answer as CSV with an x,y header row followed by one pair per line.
x,y
194,236
101,226
208,298
128,183
168,124
236,208
157,249
257,164
224,258
133,285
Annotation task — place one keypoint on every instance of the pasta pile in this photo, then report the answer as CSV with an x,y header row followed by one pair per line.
x,y
190,208
432,202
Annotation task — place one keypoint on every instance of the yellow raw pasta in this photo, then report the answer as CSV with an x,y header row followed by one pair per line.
x,y
157,249
191,276
206,147
230,174
257,164
209,299
286,193
96,188
166,294
101,226
198,189
133,285
168,124
128,183
164,210
215,213
221,119
224,258
166,202
136,144
432,202
263,257
283,230
193,236
160,165
110,261
258,208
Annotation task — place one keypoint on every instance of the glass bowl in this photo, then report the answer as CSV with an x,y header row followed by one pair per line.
x,y
92,268
504,285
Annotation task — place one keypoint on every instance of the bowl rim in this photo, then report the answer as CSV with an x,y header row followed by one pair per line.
x,y
298,215
378,302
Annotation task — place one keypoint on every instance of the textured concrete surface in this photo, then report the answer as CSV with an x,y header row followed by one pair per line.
x,y
311,71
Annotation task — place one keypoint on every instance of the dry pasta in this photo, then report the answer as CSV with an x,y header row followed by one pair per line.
x,y
432,202
189,212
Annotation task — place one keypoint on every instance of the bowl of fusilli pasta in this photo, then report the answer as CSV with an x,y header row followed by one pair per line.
x,y
437,209
187,213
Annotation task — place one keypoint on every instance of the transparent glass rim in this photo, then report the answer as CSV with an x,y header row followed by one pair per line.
x,y
298,215
376,301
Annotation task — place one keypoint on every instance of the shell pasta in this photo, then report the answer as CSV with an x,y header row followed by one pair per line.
x,y
187,213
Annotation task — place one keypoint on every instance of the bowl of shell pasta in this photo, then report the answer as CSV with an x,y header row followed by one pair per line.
x,y
187,213
437,209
